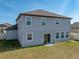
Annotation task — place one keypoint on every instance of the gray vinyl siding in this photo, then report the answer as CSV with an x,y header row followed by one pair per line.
x,y
11,35
19,25
38,30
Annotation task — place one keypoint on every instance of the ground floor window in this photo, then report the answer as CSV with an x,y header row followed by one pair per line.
x,y
57,35
62,34
67,35
29,36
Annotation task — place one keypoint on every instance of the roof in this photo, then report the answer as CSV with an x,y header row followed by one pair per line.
x,y
5,25
14,27
43,13
75,25
2,25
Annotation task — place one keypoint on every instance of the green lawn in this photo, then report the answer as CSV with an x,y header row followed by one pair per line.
x,y
62,50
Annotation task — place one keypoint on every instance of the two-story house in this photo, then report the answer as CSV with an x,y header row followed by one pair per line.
x,y
39,27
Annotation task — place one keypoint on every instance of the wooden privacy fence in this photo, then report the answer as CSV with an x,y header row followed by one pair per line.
x,y
2,36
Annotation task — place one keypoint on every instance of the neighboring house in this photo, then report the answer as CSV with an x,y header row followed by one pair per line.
x,y
7,24
2,30
4,26
75,31
41,27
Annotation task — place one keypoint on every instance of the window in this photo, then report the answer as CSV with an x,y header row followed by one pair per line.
x,y
43,21
62,34
29,36
67,35
57,35
57,21
29,20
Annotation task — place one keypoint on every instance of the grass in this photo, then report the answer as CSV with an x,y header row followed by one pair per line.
x,y
62,50
6,45
9,43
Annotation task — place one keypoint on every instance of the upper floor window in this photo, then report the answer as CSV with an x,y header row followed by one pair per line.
x,y
43,21
57,22
29,20
57,35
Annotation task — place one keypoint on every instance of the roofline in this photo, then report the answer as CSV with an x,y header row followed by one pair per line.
x,y
42,16
14,27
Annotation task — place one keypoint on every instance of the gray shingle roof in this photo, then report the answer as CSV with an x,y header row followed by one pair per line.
x,y
14,27
75,25
5,25
44,14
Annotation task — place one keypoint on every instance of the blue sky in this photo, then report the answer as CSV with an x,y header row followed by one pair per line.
x,y
9,9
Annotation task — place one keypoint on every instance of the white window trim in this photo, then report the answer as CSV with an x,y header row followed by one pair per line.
x,y
59,35
42,20
66,34
32,36
30,20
